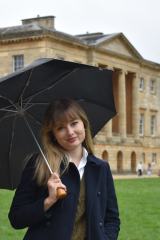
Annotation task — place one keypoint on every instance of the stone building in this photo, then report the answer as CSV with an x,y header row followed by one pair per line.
x,y
134,134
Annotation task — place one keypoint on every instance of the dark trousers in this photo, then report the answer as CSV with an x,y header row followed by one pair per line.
x,y
139,172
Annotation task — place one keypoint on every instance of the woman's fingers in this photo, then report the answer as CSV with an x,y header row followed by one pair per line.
x,y
55,176
60,185
54,182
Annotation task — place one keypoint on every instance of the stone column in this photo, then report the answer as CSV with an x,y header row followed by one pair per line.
x,y
122,103
135,106
108,129
108,126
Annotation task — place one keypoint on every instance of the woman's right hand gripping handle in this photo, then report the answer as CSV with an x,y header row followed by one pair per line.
x,y
55,186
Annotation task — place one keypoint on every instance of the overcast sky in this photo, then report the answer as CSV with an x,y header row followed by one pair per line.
x,y
139,20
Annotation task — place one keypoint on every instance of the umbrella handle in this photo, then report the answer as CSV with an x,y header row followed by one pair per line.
x,y
61,193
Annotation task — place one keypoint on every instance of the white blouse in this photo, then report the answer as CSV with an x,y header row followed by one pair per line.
x,y
82,163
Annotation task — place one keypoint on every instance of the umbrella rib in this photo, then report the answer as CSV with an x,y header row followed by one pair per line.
x,y
10,101
93,102
8,110
7,116
80,100
10,147
33,104
77,99
31,116
60,79
23,91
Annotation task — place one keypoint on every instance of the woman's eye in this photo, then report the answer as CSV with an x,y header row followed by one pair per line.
x,y
74,123
60,128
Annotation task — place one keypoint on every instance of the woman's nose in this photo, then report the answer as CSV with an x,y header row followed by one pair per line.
x,y
69,130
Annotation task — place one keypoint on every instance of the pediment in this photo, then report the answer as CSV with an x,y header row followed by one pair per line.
x,y
120,45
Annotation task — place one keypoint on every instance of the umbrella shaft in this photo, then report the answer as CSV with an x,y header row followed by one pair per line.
x,y
38,145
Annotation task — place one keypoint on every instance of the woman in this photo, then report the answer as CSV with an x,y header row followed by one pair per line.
x,y
89,211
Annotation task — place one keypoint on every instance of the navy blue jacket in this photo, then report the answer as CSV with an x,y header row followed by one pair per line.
x,y
102,215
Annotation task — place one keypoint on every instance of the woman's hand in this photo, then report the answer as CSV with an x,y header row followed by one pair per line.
x,y
54,182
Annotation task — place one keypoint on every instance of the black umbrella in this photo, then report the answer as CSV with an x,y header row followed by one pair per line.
x,y
24,96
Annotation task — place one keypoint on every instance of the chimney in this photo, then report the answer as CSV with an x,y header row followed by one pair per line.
x,y
46,21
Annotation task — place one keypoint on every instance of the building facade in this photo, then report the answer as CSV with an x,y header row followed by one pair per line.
x,y
133,135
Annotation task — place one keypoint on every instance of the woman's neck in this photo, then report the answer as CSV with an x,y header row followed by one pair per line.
x,y
76,155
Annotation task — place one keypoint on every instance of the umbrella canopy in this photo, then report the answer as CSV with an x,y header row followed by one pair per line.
x,y
25,95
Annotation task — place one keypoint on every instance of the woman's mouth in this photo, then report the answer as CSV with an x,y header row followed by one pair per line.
x,y
72,139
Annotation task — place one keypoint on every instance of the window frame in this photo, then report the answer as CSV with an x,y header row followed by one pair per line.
x,y
154,158
141,84
153,125
18,62
141,124
152,86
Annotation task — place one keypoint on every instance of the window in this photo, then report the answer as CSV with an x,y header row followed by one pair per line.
x,y
143,157
141,124
153,125
152,86
18,62
141,84
154,158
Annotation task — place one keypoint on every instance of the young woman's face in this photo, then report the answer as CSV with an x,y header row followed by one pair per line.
x,y
70,134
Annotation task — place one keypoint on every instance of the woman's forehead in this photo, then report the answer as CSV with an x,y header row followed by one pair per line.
x,y
66,117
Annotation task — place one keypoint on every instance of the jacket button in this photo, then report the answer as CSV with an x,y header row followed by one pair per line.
x,y
48,223
98,193
100,224
48,215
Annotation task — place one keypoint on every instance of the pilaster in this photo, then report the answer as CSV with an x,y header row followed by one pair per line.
x,y
135,106
122,103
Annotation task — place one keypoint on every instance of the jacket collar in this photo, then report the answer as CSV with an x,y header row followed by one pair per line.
x,y
93,160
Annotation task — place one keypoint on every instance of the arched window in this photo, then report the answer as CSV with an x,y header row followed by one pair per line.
x,y
133,162
105,155
119,162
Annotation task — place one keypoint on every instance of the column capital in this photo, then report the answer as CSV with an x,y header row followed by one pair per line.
x,y
110,68
123,71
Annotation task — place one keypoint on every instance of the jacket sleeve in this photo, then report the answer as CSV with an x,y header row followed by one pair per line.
x,y
112,220
26,209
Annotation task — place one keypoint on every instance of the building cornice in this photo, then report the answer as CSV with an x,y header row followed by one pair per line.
x,y
142,62
34,32
40,35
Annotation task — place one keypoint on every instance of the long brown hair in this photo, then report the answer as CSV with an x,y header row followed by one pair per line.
x,y
62,110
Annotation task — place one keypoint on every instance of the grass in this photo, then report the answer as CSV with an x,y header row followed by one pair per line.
x,y
139,208
6,231
138,203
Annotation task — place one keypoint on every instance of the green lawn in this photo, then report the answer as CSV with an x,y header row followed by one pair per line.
x,y
139,204
6,231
